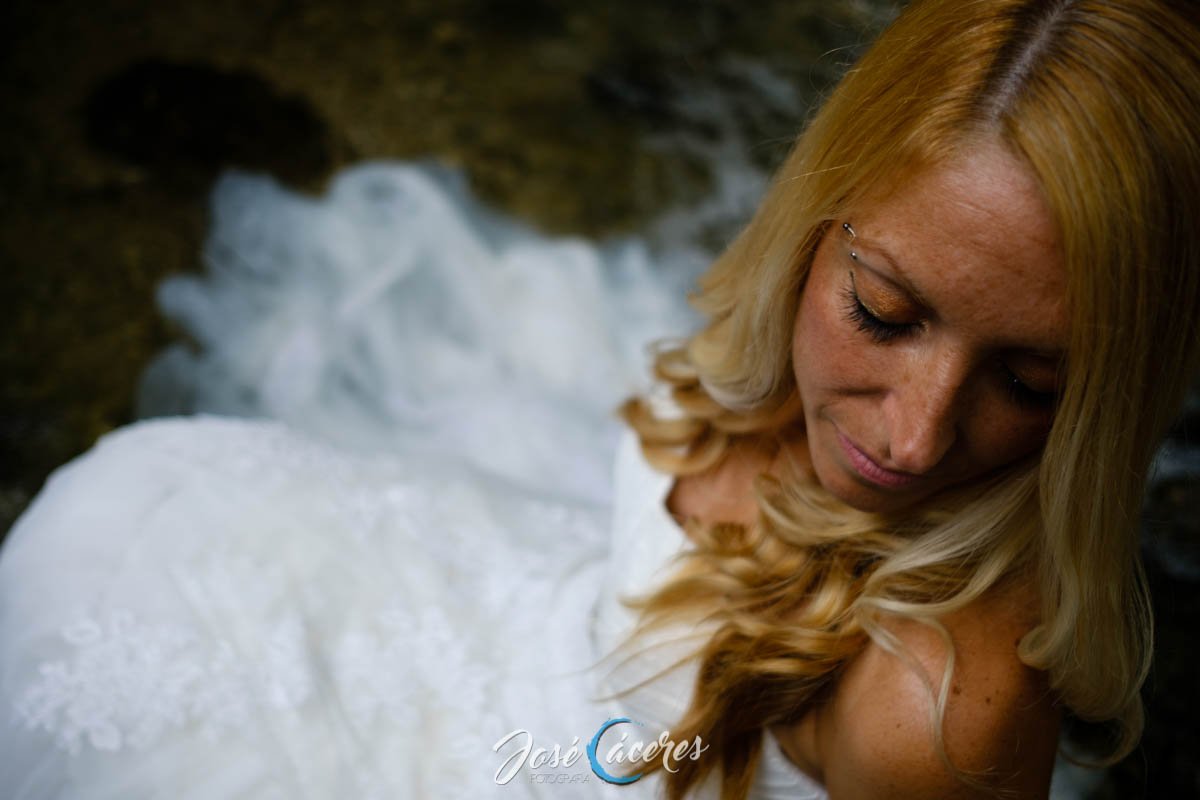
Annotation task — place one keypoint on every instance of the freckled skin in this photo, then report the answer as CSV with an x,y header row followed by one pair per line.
x,y
874,738
977,241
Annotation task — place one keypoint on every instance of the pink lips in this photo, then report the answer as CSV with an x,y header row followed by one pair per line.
x,y
868,469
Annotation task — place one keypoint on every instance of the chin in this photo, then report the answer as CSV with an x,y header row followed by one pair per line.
x,y
877,502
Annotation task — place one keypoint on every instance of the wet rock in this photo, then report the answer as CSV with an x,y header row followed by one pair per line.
x,y
184,122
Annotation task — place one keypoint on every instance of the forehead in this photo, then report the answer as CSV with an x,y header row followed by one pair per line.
x,y
976,241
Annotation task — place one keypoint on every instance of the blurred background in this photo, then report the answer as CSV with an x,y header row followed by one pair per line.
x,y
596,120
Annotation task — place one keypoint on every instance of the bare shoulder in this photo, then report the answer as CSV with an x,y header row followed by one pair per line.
x,y
875,737
725,493
721,494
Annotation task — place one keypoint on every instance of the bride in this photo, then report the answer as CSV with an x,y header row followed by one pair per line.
x,y
872,533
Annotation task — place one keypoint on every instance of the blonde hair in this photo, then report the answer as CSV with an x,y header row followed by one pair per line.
x,y
1102,101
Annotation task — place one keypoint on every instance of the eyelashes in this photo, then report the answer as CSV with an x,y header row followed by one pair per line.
x,y
1023,396
867,322
882,332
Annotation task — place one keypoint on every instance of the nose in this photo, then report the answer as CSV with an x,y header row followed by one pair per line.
x,y
922,410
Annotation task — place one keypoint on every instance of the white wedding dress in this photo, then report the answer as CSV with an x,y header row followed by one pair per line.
x,y
387,535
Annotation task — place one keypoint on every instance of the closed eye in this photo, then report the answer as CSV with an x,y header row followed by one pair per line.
x,y
870,324
1022,395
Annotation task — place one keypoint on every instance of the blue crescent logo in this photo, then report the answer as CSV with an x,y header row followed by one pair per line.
x,y
594,744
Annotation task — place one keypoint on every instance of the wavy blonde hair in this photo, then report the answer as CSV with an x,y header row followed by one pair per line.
x,y
1101,100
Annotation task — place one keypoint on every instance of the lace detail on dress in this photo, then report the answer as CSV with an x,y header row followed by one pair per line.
x,y
389,675
371,610
129,682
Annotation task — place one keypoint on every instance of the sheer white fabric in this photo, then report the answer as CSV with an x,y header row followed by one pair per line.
x,y
404,559
217,608
395,314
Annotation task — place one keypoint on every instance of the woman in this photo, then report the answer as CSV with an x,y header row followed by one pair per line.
x,y
908,450
951,340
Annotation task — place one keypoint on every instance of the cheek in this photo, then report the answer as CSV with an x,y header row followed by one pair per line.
x,y
1005,434
811,348
827,351
804,359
